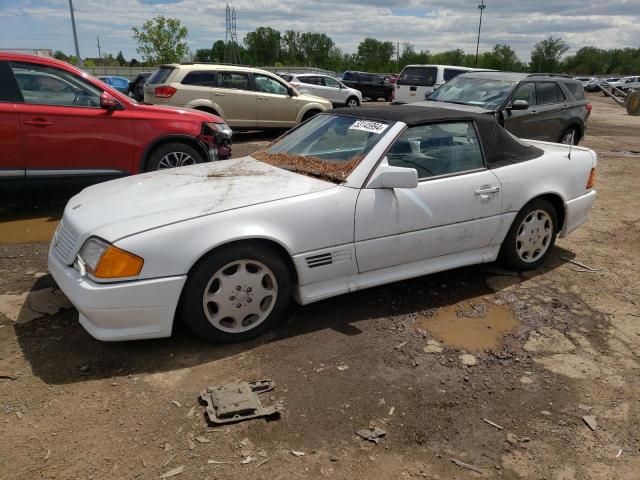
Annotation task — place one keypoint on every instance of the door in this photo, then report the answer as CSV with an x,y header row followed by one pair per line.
x,y
196,86
236,98
522,123
65,129
275,107
455,208
334,91
11,159
311,84
553,112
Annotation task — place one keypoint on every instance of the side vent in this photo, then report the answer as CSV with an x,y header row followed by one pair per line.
x,y
328,258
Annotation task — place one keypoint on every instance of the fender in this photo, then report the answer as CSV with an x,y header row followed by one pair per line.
x,y
200,102
170,138
574,121
307,107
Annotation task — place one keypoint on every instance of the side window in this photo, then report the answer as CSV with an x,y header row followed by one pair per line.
x,y
43,85
450,73
234,80
349,76
205,79
8,87
547,92
576,89
311,80
561,96
437,149
330,82
269,85
526,91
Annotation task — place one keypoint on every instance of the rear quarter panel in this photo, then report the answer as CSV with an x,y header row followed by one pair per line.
x,y
552,173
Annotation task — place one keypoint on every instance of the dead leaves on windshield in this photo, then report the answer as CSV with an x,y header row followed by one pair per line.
x,y
336,172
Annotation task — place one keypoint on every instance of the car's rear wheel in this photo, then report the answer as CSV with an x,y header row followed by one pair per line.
x,y
236,293
571,134
310,114
352,102
172,155
531,236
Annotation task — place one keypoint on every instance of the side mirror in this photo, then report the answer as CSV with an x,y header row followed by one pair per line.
x,y
519,105
109,102
292,92
387,176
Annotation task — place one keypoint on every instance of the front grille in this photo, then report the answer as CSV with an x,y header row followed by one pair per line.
x,y
66,242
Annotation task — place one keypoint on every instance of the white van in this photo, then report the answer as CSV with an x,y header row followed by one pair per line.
x,y
416,82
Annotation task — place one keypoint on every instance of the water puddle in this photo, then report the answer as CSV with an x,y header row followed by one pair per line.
x,y
474,325
28,230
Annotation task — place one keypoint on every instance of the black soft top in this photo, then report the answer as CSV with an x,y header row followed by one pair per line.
x,y
500,147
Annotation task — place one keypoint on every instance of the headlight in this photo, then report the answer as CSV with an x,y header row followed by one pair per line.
x,y
104,261
220,128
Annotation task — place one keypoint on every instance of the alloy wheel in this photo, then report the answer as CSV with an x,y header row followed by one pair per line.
x,y
176,159
534,236
240,296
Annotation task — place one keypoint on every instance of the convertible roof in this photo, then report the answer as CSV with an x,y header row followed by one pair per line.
x,y
500,147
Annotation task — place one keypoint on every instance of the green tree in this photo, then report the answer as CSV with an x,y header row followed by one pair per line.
x,y
290,52
263,45
60,55
375,55
546,54
217,51
120,59
161,40
315,48
502,57
203,55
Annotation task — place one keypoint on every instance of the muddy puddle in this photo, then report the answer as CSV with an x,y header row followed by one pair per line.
x,y
28,230
474,325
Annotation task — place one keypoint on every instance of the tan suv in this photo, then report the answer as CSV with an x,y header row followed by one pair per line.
x,y
245,97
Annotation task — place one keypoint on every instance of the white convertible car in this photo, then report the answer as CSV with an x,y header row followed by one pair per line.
x,y
351,199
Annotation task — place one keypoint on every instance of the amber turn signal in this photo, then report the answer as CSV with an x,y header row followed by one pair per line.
x,y
116,263
592,178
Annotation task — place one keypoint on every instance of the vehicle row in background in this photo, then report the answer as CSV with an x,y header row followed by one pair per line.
x,y
371,85
326,87
121,84
245,97
56,120
529,105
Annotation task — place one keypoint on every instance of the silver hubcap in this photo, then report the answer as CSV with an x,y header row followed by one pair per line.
x,y
176,159
240,296
352,103
534,236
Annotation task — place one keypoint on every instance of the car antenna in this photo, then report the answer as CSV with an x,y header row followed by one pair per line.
x,y
571,144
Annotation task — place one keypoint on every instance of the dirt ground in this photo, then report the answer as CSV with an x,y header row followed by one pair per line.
x,y
549,347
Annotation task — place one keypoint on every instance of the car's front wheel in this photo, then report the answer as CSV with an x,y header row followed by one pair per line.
x,y
236,293
171,155
352,102
531,236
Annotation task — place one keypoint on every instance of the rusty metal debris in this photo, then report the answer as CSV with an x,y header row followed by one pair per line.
x,y
238,401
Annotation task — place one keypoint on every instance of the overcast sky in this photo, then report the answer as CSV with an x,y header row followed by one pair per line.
x,y
434,25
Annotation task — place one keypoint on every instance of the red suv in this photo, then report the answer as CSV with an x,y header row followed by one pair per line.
x,y
58,120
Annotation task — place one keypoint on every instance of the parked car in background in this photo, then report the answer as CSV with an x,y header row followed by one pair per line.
x,y
585,80
627,84
350,200
56,120
416,82
371,85
119,83
529,105
245,97
391,78
136,86
326,87
593,85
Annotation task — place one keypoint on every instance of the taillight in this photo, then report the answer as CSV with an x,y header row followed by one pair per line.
x,y
165,92
592,178
589,108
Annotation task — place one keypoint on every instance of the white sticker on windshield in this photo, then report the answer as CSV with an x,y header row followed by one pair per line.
x,y
369,126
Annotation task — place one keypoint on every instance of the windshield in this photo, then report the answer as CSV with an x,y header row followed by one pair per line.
x,y
327,146
480,92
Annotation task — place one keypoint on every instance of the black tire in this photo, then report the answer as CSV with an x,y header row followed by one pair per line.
x,y
158,158
567,132
192,308
310,114
509,255
351,100
389,97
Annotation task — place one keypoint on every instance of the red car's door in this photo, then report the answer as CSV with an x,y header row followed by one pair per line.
x,y
11,159
65,130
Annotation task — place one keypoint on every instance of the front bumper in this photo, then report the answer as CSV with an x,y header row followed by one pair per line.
x,y
577,212
120,311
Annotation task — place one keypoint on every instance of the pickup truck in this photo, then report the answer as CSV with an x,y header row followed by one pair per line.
x,y
371,85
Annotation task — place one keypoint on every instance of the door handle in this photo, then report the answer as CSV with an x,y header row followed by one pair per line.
x,y
263,98
484,191
219,94
38,122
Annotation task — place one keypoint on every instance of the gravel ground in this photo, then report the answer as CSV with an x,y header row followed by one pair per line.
x,y
74,408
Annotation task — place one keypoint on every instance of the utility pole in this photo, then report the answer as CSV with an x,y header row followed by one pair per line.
x,y
99,53
75,35
482,6
398,57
